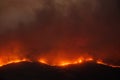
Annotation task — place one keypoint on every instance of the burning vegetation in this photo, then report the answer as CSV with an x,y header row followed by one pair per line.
x,y
13,54
59,32
65,62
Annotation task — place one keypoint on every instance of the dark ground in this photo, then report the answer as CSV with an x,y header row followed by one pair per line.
x,y
37,71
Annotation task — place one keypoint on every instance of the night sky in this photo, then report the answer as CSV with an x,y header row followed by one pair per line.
x,y
73,27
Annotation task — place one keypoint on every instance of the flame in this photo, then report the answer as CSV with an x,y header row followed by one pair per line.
x,y
80,60
11,53
42,61
103,63
64,62
2,63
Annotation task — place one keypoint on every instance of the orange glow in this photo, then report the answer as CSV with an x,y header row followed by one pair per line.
x,y
42,61
80,61
100,62
65,62
89,59
103,63
12,53
12,61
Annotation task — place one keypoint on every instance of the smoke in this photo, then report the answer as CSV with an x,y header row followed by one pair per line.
x,y
73,27
18,12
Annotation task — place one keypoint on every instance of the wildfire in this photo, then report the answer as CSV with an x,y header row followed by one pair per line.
x,y
11,53
42,61
2,63
80,60
65,63
103,63
62,62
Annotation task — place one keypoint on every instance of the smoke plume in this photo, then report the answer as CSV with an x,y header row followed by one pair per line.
x,y
61,27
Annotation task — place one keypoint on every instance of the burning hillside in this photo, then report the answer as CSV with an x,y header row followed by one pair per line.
x,y
60,32
13,53
38,71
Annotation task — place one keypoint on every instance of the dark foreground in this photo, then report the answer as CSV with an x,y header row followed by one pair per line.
x,y
37,71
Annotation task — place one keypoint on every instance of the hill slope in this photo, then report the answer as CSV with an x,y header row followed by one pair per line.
x,y
37,71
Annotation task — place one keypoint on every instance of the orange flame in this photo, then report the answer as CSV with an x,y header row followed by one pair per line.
x,y
42,61
103,63
2,63
63,62
11,54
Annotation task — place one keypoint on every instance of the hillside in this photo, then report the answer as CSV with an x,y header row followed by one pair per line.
x,y
38,71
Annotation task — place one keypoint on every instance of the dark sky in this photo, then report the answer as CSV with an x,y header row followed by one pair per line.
x,y
69,26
